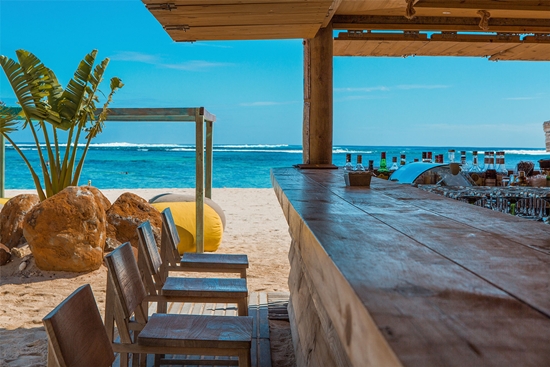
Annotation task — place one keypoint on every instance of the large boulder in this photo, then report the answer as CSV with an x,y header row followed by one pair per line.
x,y
12,216
126,214
66,232
5,255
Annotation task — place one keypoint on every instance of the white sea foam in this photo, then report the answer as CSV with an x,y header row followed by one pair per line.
x,y
133,145
251,146
259,150
526,152
337,150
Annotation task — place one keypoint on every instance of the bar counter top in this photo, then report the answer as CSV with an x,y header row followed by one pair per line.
x,y
395,276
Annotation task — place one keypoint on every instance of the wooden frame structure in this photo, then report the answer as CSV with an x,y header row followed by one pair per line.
x,y
204,162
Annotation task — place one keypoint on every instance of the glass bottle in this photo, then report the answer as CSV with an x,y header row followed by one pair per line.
x,y
463,163
424,157
403,160
394,167
430,160
383,165
490,172
359,165
348,166
501,163
475,164
475,171
451,156
371,166
502,172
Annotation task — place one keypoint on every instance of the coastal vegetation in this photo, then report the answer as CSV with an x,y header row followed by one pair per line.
x,y
46,108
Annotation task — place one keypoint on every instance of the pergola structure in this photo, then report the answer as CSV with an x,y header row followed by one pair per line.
x,y
495,29
203,120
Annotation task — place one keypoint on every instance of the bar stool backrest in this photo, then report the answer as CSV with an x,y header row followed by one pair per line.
x,y
170,238
150,260
76,334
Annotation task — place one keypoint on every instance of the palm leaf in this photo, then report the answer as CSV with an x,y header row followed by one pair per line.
x,y
38,78
21,87
8,119
75,92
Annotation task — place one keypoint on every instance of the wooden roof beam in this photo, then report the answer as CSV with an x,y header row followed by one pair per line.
x,y
458,24
331,11
513,5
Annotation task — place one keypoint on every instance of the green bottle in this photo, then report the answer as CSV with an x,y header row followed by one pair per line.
x,y
383,165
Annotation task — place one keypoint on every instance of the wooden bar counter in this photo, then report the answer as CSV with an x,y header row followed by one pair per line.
x,y
394,276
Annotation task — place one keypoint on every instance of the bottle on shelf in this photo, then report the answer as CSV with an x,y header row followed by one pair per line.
x,y
475,163
503,177
430,159
463,163
483,163
383,165
451,156
371,166
359,165
403,160
394,167
490,172
475,171
348,166
424,157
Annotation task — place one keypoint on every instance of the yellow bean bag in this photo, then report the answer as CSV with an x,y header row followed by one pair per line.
x,y
3,201
185,219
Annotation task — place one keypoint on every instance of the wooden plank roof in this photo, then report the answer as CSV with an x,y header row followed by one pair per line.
x,y
193,20
495,47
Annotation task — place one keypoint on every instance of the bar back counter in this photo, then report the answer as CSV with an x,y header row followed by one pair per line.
x,y
394,276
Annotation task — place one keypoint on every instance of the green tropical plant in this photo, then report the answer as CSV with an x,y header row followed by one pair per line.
x,y
45,107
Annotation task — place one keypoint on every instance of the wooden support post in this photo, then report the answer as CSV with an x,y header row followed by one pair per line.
x,y
209,159
2,165
199,193
317,127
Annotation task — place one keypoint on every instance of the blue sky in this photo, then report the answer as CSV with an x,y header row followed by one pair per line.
x,y
255,87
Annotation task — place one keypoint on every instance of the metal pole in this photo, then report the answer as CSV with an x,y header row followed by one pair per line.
x,y
209,159
2,165
199,193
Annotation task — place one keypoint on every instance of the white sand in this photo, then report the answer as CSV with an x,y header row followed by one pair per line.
x,y
255,226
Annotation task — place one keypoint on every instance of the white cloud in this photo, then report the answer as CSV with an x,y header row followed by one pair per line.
x,y
421,86
195,65
136,56
520,98
367,89
383,88
358,97
191,65
264,103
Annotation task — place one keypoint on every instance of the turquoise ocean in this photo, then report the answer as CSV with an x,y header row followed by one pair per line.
x,y
125,165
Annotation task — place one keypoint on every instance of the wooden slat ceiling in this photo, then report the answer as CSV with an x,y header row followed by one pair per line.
x,y
498,42
538,9
194,20
495,47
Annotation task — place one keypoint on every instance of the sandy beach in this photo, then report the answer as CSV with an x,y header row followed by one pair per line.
x,y
255,226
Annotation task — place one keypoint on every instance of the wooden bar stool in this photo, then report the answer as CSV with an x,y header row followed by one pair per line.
x,y
76,335
180,289
161,334
196,262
